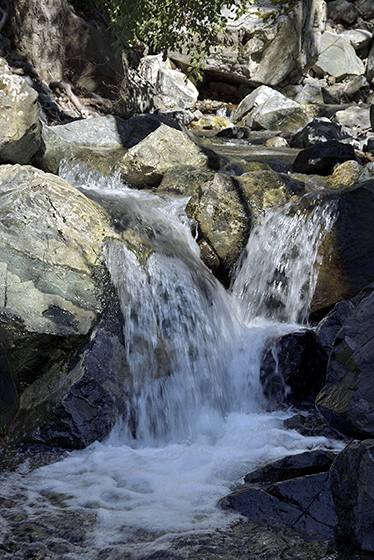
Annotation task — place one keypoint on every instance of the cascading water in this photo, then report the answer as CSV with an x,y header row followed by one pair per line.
x,y
197,422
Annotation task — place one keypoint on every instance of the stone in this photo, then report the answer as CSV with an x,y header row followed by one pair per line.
x,y
370,64
354,117
359,38
223,217
270,44
171,84
292,370
355,87
303,504
283,115
346,255
318,130
337,58
366,9
145,164
342,10
311,93
19,118
347,400
345,174
255,98
352,485
321,158
183,180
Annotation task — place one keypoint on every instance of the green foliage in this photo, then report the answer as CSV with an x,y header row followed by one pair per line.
x,y
166,25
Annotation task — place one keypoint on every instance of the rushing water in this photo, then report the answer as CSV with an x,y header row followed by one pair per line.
x,y
199,429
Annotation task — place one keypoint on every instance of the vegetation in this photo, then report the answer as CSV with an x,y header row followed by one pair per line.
x,y
165,25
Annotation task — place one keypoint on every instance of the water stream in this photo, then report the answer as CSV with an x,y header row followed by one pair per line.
x,y
198,430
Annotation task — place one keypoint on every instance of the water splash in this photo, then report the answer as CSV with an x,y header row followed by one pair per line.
x,y
277,274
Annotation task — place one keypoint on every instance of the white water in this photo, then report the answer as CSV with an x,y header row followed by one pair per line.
x,y
200,429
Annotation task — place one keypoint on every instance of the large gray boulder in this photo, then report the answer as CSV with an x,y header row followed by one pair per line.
x,y
19,118
91,138
337,57
352,485
145,164
63,363
272,43
347,400
268,109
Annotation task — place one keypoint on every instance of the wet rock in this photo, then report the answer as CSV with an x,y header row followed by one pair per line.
x,y
293,369
366,9
223,216
19,118
310,424
63,354
321,158
183,180
347,252
293,466
145,164
303,504
345,174
237,132
347,400
319,130
337,58
352,485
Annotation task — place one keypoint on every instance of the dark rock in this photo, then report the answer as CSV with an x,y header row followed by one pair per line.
x,y
347,400
347,252
352,485
321,158
310,424
237,132
342,10
366,8
318,130
293,466
293,370
303,504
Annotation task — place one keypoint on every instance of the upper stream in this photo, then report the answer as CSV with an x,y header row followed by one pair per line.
x,y
196,432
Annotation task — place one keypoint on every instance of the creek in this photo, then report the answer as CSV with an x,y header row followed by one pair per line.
x,y
194,433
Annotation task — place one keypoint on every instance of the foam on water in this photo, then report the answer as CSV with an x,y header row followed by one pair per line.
x,y
201,428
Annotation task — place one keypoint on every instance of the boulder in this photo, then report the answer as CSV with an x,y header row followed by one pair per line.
x,y
184,180
19,118
268,109
345,174
64,373
346,255
321,158
86,138
144,165
359,38
303,504
354,117
318,130
271,44
352,485
370,64
171,85
292,371
343,10
347,400
337,58
366,9
223,217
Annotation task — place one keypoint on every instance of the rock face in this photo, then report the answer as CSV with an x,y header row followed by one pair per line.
x,y
269,45
19,118
59,318
293,370
352,483
294,493
347,252
347,400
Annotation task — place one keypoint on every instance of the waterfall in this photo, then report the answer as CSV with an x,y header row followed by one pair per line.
x,y
197,423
